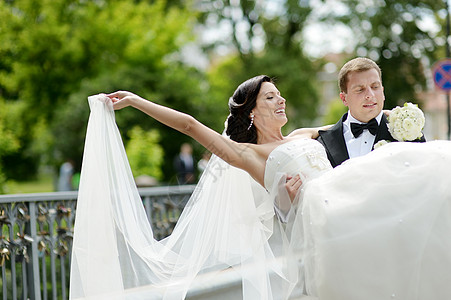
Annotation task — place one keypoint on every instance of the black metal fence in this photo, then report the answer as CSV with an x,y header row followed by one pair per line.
x,y
36,237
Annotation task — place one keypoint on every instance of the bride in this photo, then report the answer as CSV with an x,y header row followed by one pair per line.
x,y
228,220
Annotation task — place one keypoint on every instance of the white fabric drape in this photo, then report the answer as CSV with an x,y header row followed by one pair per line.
x,y
114,254
379,226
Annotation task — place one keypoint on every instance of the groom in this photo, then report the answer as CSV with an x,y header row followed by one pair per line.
x,y
364,124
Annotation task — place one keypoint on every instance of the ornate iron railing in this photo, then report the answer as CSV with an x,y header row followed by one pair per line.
x,y
36,237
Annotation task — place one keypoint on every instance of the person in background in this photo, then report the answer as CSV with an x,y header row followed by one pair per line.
x,y
65,176
203,162
184,165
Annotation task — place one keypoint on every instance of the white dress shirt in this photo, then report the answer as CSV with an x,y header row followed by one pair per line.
x,y
364,143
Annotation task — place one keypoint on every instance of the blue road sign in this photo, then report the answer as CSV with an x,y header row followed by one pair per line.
x,y
442,74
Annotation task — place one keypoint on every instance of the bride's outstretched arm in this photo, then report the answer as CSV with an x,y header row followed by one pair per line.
x,y
241,155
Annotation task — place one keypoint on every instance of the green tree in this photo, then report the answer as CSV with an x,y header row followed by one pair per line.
x,y
392,33
335,110
9,143
144,153
55,53
264,42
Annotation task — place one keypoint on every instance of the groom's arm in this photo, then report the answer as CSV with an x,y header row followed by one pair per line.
x,y
420,140
334,143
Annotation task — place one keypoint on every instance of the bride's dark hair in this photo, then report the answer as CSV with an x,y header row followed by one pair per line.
x,y
241,104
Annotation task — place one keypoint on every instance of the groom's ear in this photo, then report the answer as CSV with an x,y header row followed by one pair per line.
x,y
343,98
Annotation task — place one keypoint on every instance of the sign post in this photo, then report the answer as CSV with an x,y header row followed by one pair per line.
x,y
442,79
442,71
447,55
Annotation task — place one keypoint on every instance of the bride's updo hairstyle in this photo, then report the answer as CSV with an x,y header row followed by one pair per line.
x,y
241,104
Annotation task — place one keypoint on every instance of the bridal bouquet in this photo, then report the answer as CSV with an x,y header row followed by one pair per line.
x,y
405,123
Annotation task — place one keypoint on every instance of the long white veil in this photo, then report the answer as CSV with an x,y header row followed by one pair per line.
x,y
228,222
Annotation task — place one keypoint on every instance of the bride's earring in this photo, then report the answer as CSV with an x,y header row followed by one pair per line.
x,y
252,122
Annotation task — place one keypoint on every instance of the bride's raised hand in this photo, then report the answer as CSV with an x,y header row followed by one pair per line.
x,y
122,99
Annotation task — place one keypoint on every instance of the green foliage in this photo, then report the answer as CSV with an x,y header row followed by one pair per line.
x,y
292,74
335,110
144,152
55,53
9,142
223,79
68,131
390,33
281,56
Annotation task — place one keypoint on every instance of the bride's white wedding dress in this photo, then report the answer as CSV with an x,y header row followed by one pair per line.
x,y
377,227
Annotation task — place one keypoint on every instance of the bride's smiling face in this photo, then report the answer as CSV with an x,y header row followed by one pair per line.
x,y
269,110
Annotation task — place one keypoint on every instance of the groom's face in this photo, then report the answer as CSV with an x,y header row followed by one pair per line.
x,y
365,95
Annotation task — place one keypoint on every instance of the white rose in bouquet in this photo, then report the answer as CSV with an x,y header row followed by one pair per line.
x,y
406,123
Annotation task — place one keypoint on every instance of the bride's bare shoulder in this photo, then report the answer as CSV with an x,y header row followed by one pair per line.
x,y
302,133
311,133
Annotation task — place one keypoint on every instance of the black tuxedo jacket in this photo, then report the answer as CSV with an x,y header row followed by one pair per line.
x,y
334,141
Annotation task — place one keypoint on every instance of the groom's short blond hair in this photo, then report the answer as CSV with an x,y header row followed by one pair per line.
x,y
359,64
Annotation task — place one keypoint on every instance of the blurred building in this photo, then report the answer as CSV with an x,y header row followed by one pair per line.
x,y
434,108
328,79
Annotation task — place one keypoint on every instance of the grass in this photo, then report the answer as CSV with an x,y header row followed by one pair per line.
x,y
41,185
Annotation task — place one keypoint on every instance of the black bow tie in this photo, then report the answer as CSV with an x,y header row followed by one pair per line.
x,y
357,128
